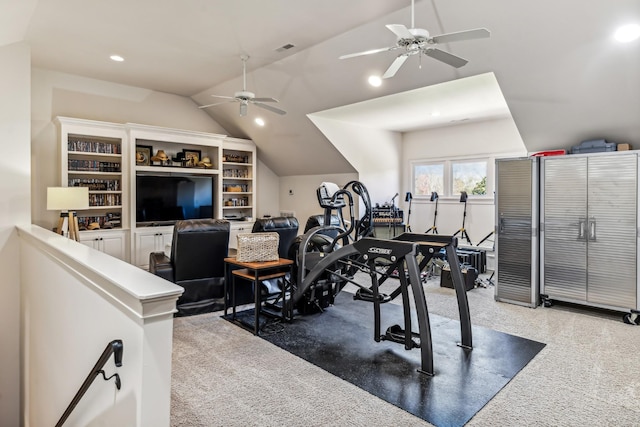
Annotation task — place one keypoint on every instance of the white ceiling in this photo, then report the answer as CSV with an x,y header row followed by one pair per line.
x,y
444,104
561,75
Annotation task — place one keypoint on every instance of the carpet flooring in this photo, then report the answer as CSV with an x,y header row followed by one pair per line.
x,y
340,341
586,375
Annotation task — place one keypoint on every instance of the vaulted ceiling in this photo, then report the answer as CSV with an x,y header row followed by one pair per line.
x,y
562,76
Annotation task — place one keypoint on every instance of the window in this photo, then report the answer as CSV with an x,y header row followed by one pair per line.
x,y
428,178
469,176
450,177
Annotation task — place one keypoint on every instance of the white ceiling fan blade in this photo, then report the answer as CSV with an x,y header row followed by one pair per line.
x,y
368,52
223,97
270,108
243,109
446,57
400,30
264,99
217,103
395,66
478,33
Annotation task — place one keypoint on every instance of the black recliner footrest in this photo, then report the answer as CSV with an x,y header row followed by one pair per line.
x,y
396,334
368,296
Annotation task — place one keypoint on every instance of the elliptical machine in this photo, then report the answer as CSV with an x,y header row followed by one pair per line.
x,y
310,248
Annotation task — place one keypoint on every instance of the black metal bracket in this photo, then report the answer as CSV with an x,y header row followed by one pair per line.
x,y
116,348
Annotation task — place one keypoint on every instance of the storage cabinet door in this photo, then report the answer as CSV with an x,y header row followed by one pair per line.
x,y
612,226
145,244
565,228
91,241
514,215
113,245
164,242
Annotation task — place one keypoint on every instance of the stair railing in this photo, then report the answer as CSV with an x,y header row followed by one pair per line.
x,y
115,347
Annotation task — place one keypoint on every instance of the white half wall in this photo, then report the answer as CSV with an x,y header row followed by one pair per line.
x,y
15,208
76,300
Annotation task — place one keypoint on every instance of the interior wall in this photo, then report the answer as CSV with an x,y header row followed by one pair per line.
x,y
59,94
15,208
298,193
267,197
377,165
489,139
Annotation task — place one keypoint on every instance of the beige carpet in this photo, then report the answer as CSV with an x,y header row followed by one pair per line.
x,y
587,375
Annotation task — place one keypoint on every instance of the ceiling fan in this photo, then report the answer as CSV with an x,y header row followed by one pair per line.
x,y
245,97
417,41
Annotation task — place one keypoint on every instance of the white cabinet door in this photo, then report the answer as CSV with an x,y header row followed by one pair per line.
x,y
153,239
109,242
238,228
165,240
113,244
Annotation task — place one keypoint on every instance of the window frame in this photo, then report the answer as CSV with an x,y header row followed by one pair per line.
x,y
448,176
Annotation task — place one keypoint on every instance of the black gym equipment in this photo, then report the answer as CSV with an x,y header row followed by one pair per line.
x,y
399,253
324,262
434,228
408,198
334,233
462,230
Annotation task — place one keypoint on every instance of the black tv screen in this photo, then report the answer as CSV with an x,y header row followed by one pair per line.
x,y
165,199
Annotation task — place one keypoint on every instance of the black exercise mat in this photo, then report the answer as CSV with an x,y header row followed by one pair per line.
x,y
340,341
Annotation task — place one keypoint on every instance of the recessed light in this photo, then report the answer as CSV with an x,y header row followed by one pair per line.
x,y
116,58
259,121
375,81
627,33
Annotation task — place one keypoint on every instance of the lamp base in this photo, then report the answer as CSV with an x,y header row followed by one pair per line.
x,y
68,225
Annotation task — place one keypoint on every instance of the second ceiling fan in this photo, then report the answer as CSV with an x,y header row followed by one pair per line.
x,y
417,41
244,97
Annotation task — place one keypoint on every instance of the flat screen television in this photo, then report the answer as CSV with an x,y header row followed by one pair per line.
x,y
164,199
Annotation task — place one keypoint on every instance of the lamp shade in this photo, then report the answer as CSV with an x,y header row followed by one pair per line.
x,y
67,198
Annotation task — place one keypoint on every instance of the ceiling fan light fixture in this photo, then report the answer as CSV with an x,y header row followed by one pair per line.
x,y
417,41
627,33
244,97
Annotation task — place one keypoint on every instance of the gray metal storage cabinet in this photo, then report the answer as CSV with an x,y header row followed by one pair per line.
x,y
589,230
516,243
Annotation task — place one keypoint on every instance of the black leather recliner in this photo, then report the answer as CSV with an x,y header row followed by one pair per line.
x,y
198,251
286,227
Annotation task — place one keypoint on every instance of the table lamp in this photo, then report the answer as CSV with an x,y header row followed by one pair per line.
x,y
68,200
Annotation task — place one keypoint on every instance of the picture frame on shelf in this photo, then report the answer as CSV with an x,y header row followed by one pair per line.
x,y
192,157
143,155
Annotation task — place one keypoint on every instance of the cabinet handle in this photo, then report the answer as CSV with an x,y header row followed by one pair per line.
x,y
501,224
592,229
582,223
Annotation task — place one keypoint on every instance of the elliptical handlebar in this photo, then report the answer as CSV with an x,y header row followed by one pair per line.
x,y
346,232
365,224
